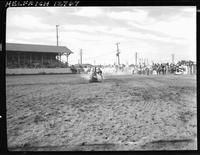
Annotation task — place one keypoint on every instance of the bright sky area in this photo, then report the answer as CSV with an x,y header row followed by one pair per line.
x,y
155,33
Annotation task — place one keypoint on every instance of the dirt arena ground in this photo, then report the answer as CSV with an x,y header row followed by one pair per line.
x,y
123,112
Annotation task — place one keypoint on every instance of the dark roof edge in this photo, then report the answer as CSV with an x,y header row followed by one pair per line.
x,y
39,45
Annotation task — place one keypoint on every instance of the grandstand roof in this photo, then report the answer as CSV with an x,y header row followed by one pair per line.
x,y
37,48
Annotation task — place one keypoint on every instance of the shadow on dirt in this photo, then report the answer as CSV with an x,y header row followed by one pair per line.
x,y
168,144
95,147
80,147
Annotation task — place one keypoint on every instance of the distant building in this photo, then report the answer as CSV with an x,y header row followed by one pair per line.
x,y
29,55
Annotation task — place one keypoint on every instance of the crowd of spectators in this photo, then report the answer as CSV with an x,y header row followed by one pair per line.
x,y
187,67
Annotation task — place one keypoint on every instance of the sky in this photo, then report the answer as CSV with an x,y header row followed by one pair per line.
x,y
155,33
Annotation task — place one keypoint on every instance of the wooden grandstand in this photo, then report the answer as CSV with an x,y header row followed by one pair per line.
x,y
34,56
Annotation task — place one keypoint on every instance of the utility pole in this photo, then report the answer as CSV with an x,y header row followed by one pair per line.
x,y
81,53
117,54
135,58
57,40
173,58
